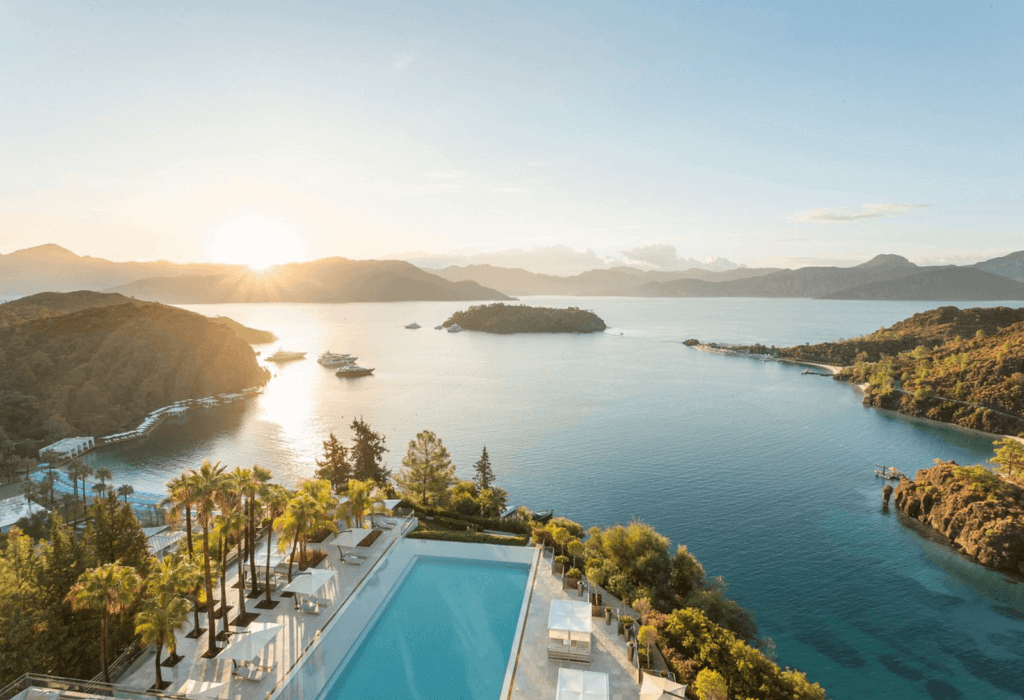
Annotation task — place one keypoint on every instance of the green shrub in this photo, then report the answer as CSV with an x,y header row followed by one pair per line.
x,y
474,537
574,573
563,560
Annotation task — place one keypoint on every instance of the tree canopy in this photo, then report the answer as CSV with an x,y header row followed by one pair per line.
x,y
427,470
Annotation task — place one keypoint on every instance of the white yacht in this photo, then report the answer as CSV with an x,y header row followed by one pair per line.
x,y
413,326
454,328
285,356
333,359
354,371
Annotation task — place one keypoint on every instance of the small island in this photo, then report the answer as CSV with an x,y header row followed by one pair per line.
x,y
503,318
977,509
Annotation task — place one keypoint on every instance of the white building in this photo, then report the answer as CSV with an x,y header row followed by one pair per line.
x,y
67,448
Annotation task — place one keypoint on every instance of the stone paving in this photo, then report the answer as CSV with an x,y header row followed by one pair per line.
x,y
537,677
287,647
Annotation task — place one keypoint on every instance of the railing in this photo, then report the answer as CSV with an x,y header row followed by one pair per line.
x,y
93,688
122,662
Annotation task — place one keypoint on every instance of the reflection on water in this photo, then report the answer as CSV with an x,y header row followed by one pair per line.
x,y
765,474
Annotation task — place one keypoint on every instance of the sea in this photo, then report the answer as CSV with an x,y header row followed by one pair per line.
x,y
765,474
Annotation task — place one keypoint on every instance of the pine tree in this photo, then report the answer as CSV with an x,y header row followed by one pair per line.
x,y
428,470
334,467
367,454
484,475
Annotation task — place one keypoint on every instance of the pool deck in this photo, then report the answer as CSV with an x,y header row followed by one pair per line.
x,y
302,665
288,646
536,676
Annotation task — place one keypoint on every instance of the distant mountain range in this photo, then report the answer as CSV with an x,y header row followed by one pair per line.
x,y
882,277
52,268
330,280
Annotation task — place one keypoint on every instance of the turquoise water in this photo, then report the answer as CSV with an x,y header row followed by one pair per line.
x,y
446,634
765,474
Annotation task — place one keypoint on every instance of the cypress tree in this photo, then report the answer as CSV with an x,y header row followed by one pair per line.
x,y
484,475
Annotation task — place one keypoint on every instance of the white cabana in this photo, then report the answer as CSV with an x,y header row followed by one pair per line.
x,y
581,685
350,539
569,628
246,646
309,582
14,509
206,689
658,688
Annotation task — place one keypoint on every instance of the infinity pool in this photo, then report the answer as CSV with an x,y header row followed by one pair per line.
x,y
446,632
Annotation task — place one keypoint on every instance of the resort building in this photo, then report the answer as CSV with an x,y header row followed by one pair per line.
x,y
67,448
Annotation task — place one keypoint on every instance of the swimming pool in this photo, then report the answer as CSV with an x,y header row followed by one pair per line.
x,y
446,631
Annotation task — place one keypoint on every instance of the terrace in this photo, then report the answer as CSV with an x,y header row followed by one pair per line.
x,y
291,661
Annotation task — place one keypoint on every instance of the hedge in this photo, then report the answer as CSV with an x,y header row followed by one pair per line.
x,y
474,537
512,525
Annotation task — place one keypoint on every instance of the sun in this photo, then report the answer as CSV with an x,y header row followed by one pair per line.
x,y
256,242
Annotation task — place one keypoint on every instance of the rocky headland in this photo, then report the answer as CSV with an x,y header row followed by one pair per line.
x,y
504,319
980,514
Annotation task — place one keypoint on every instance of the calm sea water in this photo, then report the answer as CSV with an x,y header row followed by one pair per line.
x,y
765,474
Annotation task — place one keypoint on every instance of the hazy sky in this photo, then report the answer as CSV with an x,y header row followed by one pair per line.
x,y
766,135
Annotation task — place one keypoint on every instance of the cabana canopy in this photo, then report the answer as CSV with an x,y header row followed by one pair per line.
x,y
309,582
657,688
570,619
581,685
246,646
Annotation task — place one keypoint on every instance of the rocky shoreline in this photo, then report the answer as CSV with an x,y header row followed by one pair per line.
x,y
979,513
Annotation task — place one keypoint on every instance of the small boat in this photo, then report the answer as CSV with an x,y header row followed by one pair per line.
x,y
454,328
437,328
354,371
413,326
285,356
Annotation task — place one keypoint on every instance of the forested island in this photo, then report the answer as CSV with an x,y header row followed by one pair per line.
x,y
503,318
86,363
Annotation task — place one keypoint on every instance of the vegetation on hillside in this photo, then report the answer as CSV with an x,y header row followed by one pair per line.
x,y
95,370
958,366
503,318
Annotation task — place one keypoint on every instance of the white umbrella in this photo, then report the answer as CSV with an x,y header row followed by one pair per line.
x,y
581,685
570,619
246,646
204,688
309,582
657,688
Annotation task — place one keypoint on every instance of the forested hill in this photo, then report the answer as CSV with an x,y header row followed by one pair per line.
x,y
89,372
501,318
958,366
49,304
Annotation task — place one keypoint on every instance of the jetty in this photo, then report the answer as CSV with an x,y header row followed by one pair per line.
x,y
890,473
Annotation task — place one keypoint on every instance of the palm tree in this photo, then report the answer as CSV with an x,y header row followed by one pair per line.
x,y
85,471
236,524
66,501
182,575
182,498
108,589
207,482
252,490
362,495
161,616
104,474
47,483
275,499
125,490
312,509
75,468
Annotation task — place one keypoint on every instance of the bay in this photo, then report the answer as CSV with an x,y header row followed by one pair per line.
x,y
764,473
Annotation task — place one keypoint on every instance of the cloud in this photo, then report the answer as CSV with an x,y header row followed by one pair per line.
x,y
664,257
840,215
401,61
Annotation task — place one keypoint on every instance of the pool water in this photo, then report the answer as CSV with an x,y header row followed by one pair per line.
x,y
446,633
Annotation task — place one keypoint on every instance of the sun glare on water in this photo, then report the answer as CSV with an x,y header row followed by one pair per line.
x,y
255,242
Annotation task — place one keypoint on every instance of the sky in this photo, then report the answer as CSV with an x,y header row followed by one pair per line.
x,y
767,134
